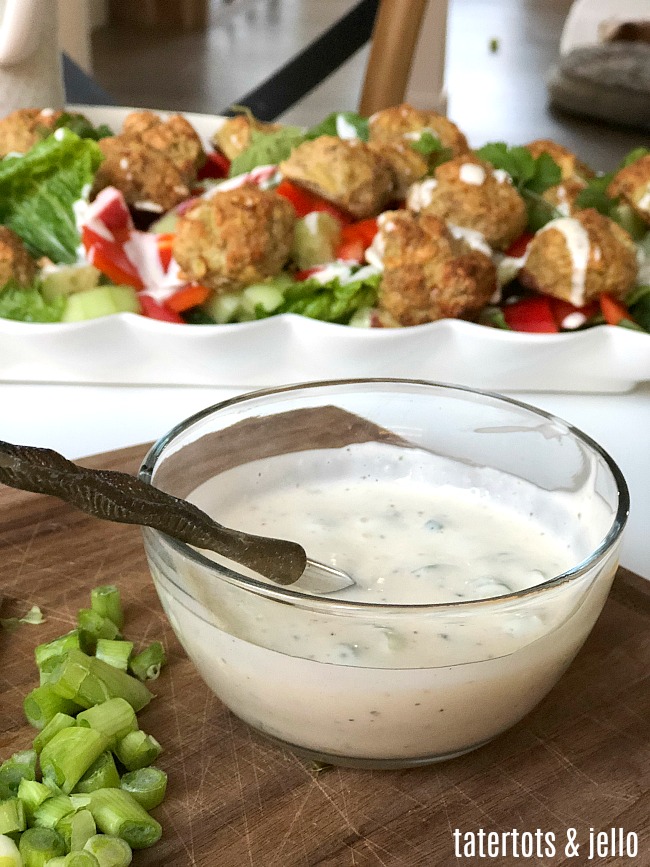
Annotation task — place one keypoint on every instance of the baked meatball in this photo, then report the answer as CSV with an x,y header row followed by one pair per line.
x,y
576,258
428,273
405,122
234,136
632,184
469,193
175,137
147,178
346,172
570,166
22,129
15,261
407,164
234,238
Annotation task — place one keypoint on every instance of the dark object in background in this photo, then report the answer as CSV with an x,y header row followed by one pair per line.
x,y
609,82
185,15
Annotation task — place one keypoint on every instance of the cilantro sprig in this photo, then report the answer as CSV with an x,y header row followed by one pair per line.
x,y
432,148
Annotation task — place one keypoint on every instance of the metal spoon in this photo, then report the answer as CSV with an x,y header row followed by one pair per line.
x,y
125,499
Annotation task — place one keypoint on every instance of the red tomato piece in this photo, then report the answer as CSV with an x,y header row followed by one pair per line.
x,y
569,317
351,251
613,311
110,208
531,314
155,310
306,273
519,245
355,239
305,202
109,258
217,165
165,244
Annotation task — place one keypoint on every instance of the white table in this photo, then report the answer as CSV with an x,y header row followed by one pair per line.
x,y
79,420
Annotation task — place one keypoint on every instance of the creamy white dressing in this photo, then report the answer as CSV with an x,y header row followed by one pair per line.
x,y
644,202
345,129
475,240
391,683
343,272
501,176
578,246
420,194
374,254
470,173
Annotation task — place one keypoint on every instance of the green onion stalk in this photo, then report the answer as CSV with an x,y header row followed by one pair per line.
x,y
67,757
109,851
147,785
114,718
58,722
51,811
115,652
102,774
137,750
117,813
33,794
13,817
37,846
43,703
147,665
89,681
105,600
76,829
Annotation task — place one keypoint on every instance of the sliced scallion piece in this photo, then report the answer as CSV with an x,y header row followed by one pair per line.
x,y
95,625
115,652
147,665
76,829
116,812
13,817
89,681
67,757
105,600
58,722
137,750
51,811
147,785
33,794
57,648
110,851
9,854
44,703
20,766
37,846
80,859
102,774
114,718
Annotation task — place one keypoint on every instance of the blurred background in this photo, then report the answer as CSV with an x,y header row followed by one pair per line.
x,y
203,55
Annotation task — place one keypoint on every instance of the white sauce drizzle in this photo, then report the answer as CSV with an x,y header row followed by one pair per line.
x,y
470,173
578,246
419,195
344,129
472,238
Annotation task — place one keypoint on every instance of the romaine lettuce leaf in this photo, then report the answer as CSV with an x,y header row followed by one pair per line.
x,y
38,192
333,301
28,305
341,124
266,149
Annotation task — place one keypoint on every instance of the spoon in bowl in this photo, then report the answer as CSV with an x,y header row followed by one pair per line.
x,y
125,499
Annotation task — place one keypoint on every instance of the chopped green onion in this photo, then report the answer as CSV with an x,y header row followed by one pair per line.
x,y
137,750
9,854
89,681
58,722
116,812
12,816
147,785
105,600
147,665
39,845
102,774
59,861
43,703
20,766
33,794
114,718
110,851
50,813
67,757
57,648
76,829
80,859
47,669
93,626
115,652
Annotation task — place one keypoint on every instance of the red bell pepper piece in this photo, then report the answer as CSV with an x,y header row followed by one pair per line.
x,y
109,258
217,165
355,239
187,297
568,317
305,202
532,314
613,311
520,245
155,310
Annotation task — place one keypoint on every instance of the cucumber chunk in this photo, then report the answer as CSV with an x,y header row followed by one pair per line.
x,y
315,239
68,279
100,301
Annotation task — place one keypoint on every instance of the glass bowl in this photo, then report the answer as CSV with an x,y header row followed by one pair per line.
x,y
347,679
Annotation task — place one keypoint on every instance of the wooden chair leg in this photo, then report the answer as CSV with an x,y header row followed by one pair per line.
x,y
393,44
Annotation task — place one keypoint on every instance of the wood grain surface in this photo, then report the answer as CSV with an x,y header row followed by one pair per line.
x,y
580,760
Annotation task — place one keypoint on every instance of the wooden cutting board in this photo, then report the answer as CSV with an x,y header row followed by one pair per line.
x,y
580,760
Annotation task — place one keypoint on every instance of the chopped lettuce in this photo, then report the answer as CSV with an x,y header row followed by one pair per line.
x,y
38,192
81,126
344,124
638,303
266,149
336,300
28,305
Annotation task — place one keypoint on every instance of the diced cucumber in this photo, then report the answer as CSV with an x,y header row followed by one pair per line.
x,y
166,223
67,279
264,295
223,308
100,301
362,318
315,239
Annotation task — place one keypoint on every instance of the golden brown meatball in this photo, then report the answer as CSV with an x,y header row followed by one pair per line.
x,y
404,121
570,166
15,261
407,164
175,137
147,178
563,196
467,192
348,173
24,128
428,273
576,258
234,238
632,184
234,136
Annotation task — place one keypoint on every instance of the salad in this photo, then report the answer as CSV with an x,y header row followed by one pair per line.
x,y
388,221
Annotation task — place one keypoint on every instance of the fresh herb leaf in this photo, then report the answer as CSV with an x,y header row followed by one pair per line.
x,y
492,315
431,147
38,192
266,149
595,196
638,303
28,305
82,127
340,123
633,156
540,212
